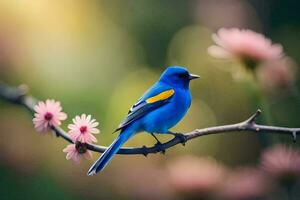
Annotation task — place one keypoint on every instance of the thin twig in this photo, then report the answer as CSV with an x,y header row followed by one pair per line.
x,y
18,96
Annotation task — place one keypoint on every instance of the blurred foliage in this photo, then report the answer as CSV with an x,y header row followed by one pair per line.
x,y
98,57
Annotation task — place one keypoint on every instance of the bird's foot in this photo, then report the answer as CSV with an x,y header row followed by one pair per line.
x,y
181,137
160,147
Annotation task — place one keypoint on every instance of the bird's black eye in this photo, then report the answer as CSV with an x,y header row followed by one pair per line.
x,y
183,75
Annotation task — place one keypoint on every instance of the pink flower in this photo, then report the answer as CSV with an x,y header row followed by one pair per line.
x,y
278,74
246,45
48,114
83,129
245,184
195,176
76,151
282,163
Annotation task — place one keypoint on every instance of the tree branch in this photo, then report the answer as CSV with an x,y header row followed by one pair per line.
x,y
19,97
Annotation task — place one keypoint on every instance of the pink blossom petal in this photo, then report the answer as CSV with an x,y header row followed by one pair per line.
x,y
88,155
83,128
280,160
72,126
219,52
88,118
94,130
93,138
62,116
41,119
74,155
189,174
244,44
94,124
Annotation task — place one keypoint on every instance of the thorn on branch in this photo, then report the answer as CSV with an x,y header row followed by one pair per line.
x,y
294,136
145,151
254,117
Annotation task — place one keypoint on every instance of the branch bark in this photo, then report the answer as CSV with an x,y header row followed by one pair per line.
x,y
19,96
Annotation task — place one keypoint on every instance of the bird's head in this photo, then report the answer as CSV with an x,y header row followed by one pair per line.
x,y
177,76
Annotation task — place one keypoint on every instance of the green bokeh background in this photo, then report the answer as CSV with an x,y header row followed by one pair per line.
x,y
98,57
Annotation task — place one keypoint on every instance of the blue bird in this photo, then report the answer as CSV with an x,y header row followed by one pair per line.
x,y
159,109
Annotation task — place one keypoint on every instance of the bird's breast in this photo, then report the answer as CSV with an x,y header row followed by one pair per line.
x,y
168,115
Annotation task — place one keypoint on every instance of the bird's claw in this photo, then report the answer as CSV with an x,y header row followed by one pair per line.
x,y
181,137
160,148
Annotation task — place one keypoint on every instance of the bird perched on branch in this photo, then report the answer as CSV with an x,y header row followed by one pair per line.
x,y
159,109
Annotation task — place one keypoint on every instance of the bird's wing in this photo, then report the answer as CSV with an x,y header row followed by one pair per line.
x,y
155,97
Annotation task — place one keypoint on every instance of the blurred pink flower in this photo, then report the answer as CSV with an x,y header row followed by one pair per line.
x,y
277,74
195,176
244,44
83,129
282,163
147,179
76,151
245,184
48,114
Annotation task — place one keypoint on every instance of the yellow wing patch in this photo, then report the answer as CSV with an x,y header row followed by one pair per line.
x,y
161,96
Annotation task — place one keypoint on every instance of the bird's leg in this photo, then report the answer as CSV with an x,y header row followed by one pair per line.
x,y
156,138
159,144
180,136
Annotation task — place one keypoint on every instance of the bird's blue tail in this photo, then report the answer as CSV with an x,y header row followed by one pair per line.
x,y
110,151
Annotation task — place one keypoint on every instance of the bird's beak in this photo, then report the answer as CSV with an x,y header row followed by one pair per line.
x,y
193,76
